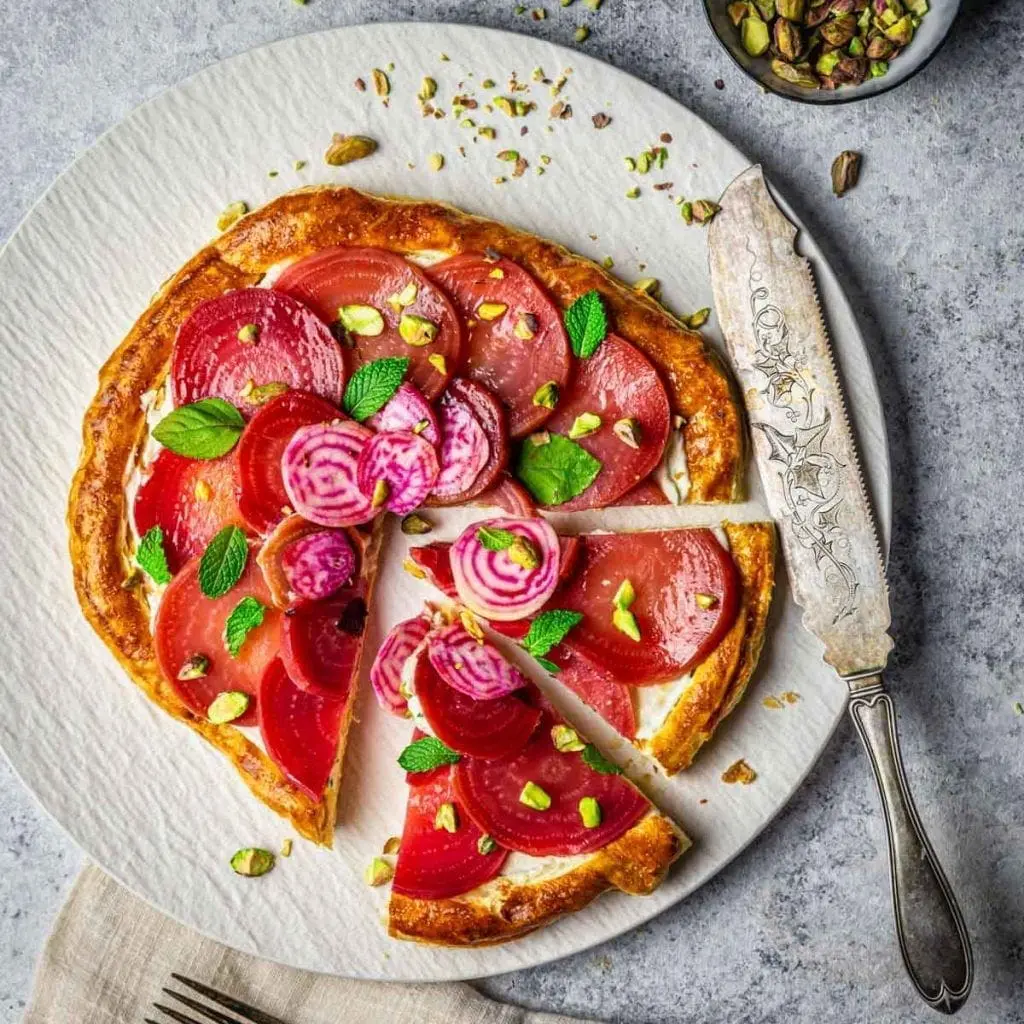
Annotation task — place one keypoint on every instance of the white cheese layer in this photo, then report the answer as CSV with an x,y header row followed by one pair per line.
x,y
672,474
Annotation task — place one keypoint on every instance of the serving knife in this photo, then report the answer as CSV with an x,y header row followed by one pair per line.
x,y
767,304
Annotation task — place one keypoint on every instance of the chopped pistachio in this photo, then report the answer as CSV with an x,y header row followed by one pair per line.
x,y
901,31
297,165
539,438
798,74
755,36
379,872
704,210
592,4
246,389
362,320
607,263
413,569
625,595
488,83
485,845
698,319
789,40
490,310
248,334
486,132
538,14
252,862
194,667
260,394
391,845
827,62
471,626
227,706
415,525
581,34
522,552
737,11
590,812
202,490
686,211
566,739
705,601
273,174
633,193
435,161
628,431
381,491
467,122
428,90
535,797
630,163
437,361
381,83
446,818
546,395
286,847
878,68
647,286
508,155
526,326
132,580
416,330
625,622
232,213
643,163
344,149
845,171
406,297
584,425
792,10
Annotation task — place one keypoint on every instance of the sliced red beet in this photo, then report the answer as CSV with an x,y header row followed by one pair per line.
x,y
263,497
299,729
404,463
408,410
616,382
338,277
434,864
500,355
190,500
647,492
478,403
611,698
491,789
477,728
189,623
668,569
510,495
321,641
289,346
434,561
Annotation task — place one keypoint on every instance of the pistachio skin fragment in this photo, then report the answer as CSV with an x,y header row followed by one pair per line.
x,y
228,706
485,845
345,149
378,872
547,395
535,797
415,525
584,425
789,40
845,171
590,812
628,431
194,667
252,862
566,739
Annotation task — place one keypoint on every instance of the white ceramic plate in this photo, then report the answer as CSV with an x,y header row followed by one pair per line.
x,y
143,796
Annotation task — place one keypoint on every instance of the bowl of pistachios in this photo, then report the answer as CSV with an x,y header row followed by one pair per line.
x,y
831,51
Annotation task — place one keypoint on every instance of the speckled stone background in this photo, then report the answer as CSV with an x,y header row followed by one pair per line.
x,y
931,245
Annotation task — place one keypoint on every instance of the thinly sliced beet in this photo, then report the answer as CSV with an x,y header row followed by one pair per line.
x,y
611,698
434,864
435,560
491,793
464,450
299,729
471,666
292,531
403,464
510,495
408,410
517,342
386,670
254,335
319,467
477,728
190,500
321,642
344,276
263,498
647,492
490,416
496,584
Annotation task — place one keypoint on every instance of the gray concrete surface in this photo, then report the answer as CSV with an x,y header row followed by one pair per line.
x,y
931,246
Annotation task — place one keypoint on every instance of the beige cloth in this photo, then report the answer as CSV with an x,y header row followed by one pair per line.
x,y
110,954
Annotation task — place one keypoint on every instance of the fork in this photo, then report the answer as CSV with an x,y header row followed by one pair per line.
x,y
245,1014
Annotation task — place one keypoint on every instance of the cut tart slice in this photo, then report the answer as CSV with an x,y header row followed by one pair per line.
x,y
659,630
506,835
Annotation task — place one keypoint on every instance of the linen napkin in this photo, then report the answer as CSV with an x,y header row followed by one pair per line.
x,y
110,954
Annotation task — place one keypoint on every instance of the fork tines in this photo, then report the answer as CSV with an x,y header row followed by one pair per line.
x,y
246,1014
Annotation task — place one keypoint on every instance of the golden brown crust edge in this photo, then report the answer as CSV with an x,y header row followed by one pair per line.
x,y
720,681
635,863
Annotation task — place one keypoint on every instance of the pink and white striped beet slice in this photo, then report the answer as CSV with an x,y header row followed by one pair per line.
x,y
406,463
471,666
319,468
386,670
491,584
406,410
464,450
318,564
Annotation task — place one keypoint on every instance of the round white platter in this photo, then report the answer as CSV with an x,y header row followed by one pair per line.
x,y
144,797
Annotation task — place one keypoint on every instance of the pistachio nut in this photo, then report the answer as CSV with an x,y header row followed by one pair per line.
x,y
754,36
845,171
840,30
792,10
344,149
590,812
628,431
535,797
415,525
227,706
194,667
584,425
625,622
523,553
446,818
416,330
566,739
789,40
378,872
252,862
362,320
546,395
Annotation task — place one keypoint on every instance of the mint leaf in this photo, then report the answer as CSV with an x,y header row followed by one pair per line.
x,y
425,754
206,429
596,760
587,324
151,557
548,629
246,616
550,666
223,562
557,471
372,385
495,539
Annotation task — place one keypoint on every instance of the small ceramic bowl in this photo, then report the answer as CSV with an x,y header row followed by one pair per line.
x,y
928,38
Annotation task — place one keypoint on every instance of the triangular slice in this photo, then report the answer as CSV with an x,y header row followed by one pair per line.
x,y
698,601
500,843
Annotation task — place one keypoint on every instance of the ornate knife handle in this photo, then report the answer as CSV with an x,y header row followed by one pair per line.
x,y
933,939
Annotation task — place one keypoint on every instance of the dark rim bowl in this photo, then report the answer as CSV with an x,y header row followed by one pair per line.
x,y
927,41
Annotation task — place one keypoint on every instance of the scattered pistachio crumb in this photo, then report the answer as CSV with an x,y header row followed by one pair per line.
x,y
630,163
698,319
344,149
772,703
232,212
298,165
286,847
607,263
791,697
435,161
381,83
592,5
272,174
581,34
739,771
391,845
538,14
633,193
379,872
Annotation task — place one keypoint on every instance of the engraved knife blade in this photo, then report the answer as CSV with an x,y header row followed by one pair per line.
x,y
768,307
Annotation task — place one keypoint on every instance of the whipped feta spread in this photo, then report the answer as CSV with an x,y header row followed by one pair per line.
x,y
672,474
